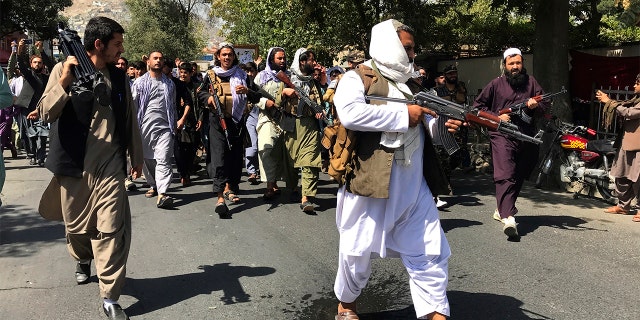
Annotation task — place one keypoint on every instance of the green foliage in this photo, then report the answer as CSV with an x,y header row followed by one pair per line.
x,y
443,27
39,16
168,26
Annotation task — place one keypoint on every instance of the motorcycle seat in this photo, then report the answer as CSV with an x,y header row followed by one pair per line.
x,y
601,146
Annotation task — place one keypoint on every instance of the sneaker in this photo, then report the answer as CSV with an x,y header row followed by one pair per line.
x,y
496,215
83,272
440,203
510,226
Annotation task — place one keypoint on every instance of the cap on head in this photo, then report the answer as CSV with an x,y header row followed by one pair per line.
x,y
356,56
511,51
450,68
225,44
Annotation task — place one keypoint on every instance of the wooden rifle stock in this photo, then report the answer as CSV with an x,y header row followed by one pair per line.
x,y
218,109
453,110
518,107
302,95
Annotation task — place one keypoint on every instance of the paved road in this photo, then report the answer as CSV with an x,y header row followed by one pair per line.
x,y
271,261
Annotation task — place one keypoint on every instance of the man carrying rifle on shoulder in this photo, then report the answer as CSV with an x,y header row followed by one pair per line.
x,y
226,90
89,140
513,159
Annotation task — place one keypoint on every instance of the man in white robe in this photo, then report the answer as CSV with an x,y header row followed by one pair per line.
x,y
405,224
155,95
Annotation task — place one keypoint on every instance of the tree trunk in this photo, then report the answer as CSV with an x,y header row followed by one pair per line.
x,y
550,53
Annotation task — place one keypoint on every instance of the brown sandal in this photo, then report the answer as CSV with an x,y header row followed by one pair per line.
x,y
151,193
636,218
231,196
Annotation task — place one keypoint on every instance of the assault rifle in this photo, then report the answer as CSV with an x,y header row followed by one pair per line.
x,y
304,97
519,107
285,120
219,111
87,77
452,110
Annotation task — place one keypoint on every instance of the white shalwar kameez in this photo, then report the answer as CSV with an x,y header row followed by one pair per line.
x,y
406,225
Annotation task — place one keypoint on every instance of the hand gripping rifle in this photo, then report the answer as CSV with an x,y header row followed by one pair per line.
x,y
304,97
519,108
89,81
218,110
452,110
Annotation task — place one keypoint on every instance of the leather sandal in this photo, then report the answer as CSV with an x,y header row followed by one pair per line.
x,y
347,315
231,196
151,193
616,210
269,195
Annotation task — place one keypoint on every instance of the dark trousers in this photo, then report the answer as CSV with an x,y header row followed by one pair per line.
x,y
184,153
37,148
226,161
513,162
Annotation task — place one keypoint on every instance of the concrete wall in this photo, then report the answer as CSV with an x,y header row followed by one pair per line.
x,y
477,72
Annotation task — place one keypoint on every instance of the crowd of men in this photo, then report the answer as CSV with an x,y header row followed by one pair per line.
x,y
266,119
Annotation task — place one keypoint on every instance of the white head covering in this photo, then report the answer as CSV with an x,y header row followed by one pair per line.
x,y
511,51
296,74
388,53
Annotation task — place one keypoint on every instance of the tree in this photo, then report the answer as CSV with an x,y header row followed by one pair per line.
x,y
170,26
39,16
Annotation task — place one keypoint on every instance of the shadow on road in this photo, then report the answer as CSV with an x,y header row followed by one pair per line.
x,y
163,292
463,306
528,224
21,228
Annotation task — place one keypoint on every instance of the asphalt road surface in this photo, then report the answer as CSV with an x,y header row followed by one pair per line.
x,y
272,261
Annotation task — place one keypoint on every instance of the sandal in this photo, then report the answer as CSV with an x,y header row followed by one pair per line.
x,y
151,193
231,196
347,315
269,194
636,218
253,179
165,202
307,207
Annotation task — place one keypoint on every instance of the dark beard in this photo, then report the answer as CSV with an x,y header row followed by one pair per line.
x,y
275,67
307,69
451,81
517,81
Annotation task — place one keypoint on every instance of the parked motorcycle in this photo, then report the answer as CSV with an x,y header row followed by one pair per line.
x,y
581,161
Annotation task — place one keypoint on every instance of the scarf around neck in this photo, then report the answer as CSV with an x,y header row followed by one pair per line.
x,y
142,93
236,77
390,58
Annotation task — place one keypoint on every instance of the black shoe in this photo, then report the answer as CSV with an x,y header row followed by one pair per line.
x,y
115,312
223,211
83,272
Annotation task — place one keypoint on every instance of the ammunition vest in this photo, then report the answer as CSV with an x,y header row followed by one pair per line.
x,y
223,91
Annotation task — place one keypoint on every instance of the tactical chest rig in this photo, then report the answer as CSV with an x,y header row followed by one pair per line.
x,y
223,90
